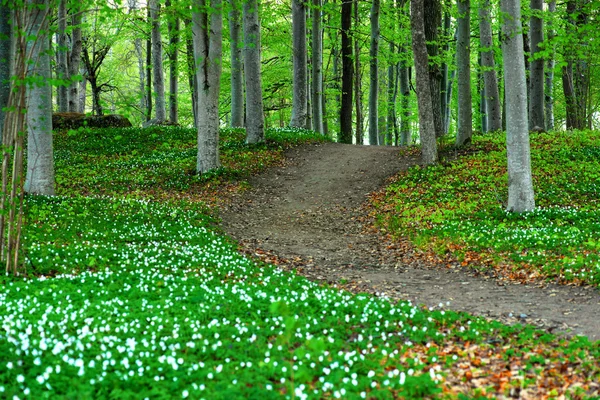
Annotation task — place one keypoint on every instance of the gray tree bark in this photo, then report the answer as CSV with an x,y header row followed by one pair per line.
x,y
405,133
444,73
360,135
549,72
139,52
173,28
237,82
317,67
424,98
536,74
520,185
299,56
74,60
433,22
374,76
490,77
6,60
347,73
157,62
463,71
62,69
255,118
40,160
207,25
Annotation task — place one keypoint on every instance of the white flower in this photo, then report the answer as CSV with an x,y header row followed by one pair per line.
x,y
20,378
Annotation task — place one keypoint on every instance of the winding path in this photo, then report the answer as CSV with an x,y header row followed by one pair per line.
x,y
309,212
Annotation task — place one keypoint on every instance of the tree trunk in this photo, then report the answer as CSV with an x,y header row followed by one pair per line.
x,y
444,72
433,22
173,28
191,68
426,117
482,95
62,70
157,63
392,90
317,67
149,101
520,186
374,76
74,64
463,71
6,60
447,113
237,82
549,72
347,74
207,20
255,118
536,74
405,133
360,135
40,159
82,89
299,56
492,94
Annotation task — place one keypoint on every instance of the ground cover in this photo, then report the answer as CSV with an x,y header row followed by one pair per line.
x,y
459,206
135,298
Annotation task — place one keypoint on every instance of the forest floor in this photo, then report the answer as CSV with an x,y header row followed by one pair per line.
x,y
313,215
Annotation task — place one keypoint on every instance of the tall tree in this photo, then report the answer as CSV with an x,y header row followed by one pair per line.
x,y
173,28
300,61
358,79
536,74
317,66
347,73
207,25
425,103
157,62
139,52
255,119
74,57
374,75
62,69
433,22
404,77
520,185
40,160
5,60
549,71
68,55
463,67
490,77
235,42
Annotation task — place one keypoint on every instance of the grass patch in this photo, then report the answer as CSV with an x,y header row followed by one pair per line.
x,y
460,205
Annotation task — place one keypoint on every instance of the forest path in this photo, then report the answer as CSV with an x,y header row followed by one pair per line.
x,y
310,213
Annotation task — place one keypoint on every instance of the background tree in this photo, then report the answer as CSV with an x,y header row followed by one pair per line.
x,y
549,70
490,78
374,75
317,66
207,18
425,103
299,56
40,159
345,135
157,62
433,23
5,60
235,43
536,74
255,122
463,67
173,53
520,186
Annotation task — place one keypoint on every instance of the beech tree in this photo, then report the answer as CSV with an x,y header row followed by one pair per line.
x,y
40,156
157,62
433,22
235,43
425,103
520,185
255,119
374,75
463,61
536,74
299,56
317,67
345,135
173,29
549,72
5,61
490,77
207,25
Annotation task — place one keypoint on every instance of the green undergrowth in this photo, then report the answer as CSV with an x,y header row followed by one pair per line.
x,y
136,299
159,162
460,205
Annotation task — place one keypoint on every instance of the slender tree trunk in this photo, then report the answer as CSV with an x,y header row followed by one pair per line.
x,y
463,68
62,69
173,28
149,102
405,133
207,20
374,75
82,91
347,74
317,67
482,95
492,94
433,23
299,96
392,90
444,72
425,102
6,60
157,62
237,82
255,119
549,72
40,159
74,64
520,186
191,64
536,74
449,100
360,135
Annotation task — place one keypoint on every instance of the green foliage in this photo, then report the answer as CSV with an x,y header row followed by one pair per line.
x,y
462,204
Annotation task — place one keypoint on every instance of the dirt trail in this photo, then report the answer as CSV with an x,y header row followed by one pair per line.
x,y
310,213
